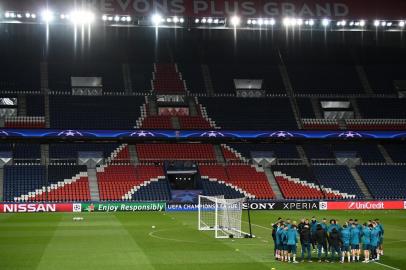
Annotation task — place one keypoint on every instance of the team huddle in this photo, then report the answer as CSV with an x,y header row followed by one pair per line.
x,y
341,242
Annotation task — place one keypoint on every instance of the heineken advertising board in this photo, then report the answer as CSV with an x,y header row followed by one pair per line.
x,y
123,207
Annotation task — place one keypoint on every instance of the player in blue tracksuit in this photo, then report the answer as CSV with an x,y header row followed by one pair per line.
x,y
278,239
380,244
292,242
345,237
375,234
284,241
366,242
355,240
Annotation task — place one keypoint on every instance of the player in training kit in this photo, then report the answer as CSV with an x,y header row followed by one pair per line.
x,y
313,228
345,237
305,241
278,240
320,238
335,243
284,240
355,240
375,234
292,242
366,242
380,244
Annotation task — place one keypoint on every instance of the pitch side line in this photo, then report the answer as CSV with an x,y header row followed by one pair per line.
x,y
388,266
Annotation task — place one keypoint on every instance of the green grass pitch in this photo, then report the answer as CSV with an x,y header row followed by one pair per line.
x,y
127,241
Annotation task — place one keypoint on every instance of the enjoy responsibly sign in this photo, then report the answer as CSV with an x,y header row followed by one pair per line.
x,y
123,207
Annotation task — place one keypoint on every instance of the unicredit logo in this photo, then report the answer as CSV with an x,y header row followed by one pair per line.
x,y
366,205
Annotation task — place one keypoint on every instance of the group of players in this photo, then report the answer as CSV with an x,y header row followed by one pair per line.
x,y
345,241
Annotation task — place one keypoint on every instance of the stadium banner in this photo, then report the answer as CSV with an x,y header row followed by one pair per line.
x,y
366,205
38,207
262,205
219,135
123,206
334,9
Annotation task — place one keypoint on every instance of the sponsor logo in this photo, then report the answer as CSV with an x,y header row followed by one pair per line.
x,y
366,205
77,207
323,206
28,207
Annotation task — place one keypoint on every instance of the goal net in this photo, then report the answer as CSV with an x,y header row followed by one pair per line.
x,y
221,215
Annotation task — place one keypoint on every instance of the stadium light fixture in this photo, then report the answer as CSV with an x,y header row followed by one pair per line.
x,y
311,22
272,22
286,22
7,14
104,17
116,18
402,24
362,23
376,23
175,19
389,24
81,17
235,21
157,19
325,22
47,16
204,20
209,20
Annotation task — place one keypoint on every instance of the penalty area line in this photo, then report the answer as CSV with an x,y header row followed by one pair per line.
x,y
388,266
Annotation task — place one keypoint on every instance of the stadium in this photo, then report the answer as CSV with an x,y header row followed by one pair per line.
x,y
202,134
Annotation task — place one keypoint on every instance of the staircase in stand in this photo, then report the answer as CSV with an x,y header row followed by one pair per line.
x,y
273,183
361,184
93,186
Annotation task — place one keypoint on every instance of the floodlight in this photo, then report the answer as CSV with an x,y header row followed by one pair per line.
x,y
216,21
299,22
157,19
175,19
181,20
81,17
27,15
116,18
197,20
383,23
401,24
325,22
272,22
104,17
33,15
376,23
128,18
254,21
47,16
362,23
311,22
235,20
209,20
204,20
19,16
389,24
260,21
286,21
7,14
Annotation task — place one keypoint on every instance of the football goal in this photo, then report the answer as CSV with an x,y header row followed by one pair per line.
x,y
223,216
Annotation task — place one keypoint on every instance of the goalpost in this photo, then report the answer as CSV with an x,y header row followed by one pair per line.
x,y
223,216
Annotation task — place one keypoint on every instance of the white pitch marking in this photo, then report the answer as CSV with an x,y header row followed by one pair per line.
x,y
388,266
